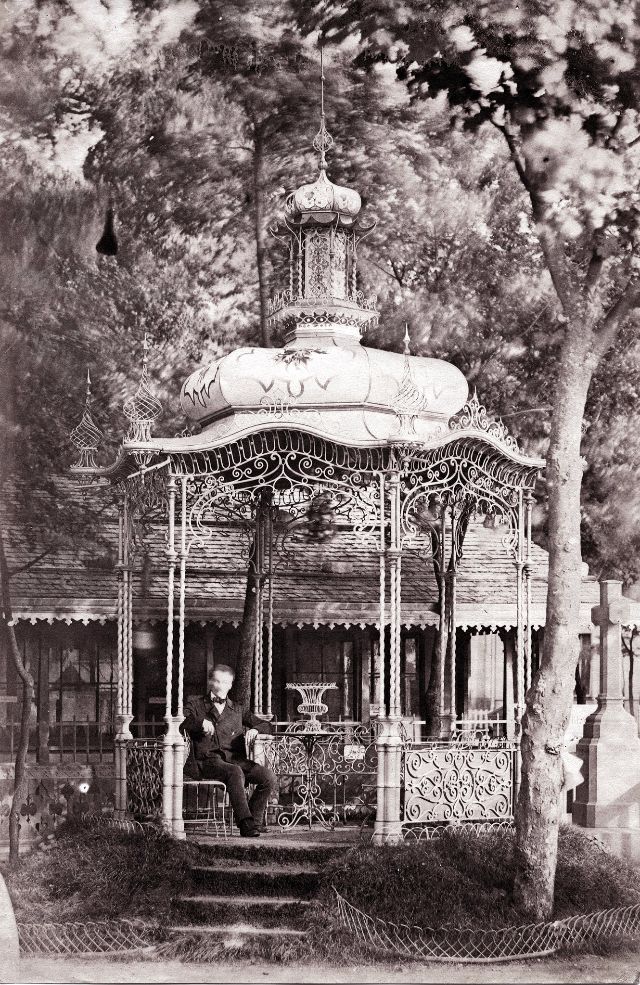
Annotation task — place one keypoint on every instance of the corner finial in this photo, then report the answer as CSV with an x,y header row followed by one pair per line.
x,y
143,409
86,435
407,339
323,141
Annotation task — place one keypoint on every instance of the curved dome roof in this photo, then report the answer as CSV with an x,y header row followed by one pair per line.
x,y
323,196
350,394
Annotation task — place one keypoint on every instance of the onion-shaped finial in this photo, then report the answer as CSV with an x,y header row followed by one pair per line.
x,y
143,408
86,435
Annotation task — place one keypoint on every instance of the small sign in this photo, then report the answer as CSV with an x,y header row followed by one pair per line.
x,y
352,753
156,701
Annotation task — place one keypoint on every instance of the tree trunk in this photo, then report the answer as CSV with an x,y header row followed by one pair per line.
x,y
246,646
260,235
433,723
255,575
247,643
20,788
548,702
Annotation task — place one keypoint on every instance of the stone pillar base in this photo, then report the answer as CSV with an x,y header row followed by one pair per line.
x,y
122,736
388,824
609,796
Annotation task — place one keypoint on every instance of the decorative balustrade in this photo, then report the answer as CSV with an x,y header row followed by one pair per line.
x,y
327,775
468,779
144,777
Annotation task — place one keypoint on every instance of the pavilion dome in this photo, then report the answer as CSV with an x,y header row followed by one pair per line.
x,y
346,393
323,380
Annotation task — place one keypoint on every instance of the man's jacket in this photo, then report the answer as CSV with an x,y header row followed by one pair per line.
x,y
227,741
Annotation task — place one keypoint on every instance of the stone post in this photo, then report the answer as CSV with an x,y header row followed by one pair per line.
x,y
388,824
121,738
609,796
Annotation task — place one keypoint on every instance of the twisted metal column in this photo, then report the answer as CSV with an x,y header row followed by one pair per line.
x,y
176,720
520,617
382,552
120,571
395,596
182,590
270,619
442,640
452,625
168,759
122,722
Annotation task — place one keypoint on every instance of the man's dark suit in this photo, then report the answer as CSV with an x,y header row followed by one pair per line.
x,y
222,756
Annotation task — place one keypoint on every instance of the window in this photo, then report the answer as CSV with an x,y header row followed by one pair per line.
x,y
82,680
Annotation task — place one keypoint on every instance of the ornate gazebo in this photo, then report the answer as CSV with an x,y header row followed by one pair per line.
x,y
391,445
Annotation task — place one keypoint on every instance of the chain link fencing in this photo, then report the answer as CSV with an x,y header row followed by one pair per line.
x,y
503,944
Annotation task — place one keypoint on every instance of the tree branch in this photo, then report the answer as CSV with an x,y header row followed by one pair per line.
x,y
553,254
30,564
617,314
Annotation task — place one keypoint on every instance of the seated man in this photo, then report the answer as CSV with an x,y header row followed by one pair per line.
x,y
218,751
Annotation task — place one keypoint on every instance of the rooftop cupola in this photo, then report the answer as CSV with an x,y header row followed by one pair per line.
x,y
322,227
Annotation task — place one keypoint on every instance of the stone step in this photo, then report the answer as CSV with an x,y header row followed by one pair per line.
x,y
278,849
272,869
248,929
266,911
233,877
271,901
205,942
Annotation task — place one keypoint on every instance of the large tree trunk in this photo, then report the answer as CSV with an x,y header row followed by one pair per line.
x,y
260,235
548,702
20,788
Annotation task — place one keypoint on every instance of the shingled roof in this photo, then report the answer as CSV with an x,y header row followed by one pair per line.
x,y
333,581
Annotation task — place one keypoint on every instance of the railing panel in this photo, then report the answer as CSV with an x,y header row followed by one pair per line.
x,y
144,777
329,778
446,782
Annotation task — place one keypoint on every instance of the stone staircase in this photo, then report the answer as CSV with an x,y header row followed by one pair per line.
x,y
252,895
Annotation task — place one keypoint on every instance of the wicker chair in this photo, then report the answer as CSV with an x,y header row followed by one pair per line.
x,y
205,802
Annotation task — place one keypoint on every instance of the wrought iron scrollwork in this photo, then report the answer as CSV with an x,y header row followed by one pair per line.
x,y
459,782
144,777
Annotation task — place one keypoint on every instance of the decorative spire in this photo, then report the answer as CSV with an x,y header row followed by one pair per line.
x,y
407,340
323,141
143,409
86,435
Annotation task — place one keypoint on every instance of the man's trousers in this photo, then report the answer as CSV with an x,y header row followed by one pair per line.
x,y
235,776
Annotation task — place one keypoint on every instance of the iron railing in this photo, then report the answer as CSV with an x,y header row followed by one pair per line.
x,y
468,779
144,777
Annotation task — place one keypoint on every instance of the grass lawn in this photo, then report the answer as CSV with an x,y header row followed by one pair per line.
x,y
456,881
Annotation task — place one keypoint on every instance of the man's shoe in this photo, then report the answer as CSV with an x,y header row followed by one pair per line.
x,y
248,828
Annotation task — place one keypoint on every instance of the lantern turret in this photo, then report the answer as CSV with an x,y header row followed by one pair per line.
x,y
323,227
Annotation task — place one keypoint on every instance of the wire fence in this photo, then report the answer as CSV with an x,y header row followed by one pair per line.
x,y
503,944
90,938
126,824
